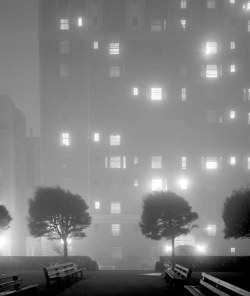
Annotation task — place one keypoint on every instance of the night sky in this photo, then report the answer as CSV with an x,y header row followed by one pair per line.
x,y
19,57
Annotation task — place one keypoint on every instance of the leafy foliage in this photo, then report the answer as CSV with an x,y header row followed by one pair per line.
x,y
57,214
236,214
5,218
166,215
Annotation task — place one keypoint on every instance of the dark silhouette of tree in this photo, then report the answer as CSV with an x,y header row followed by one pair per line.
x,y
58,215
5,219
166,215
236,214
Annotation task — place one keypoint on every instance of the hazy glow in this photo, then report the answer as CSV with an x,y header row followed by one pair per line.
x,y
183,182
156,93
115,208
80,22
64,24
183,4
157,184
184,24
232,68
246,6
232,250
211,230
65,139
116,229
135,91
232,114
232,160
211,71
211,48
168,249
115,140
201,249
211,165
96,137
2,242
97,205
69,241
114,48
156,162
95,45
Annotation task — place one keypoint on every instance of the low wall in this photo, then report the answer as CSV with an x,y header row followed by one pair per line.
x,y
212,263
38,262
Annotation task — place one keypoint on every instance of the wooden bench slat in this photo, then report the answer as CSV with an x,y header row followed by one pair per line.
x,y
194,290
214,289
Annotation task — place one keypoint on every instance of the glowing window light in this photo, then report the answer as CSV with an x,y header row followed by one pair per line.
x,y
232,1
211,230
115,208
80,22
156,26
201,249
115,140
115,162
116,229
232,160
156,93
124,162
232,250
114,48
211,164
211,4
246,6
97,205
211,71
136,160
96,137
184,24
248,163
184,162
211,47
156,184
183,4
168,249
232,68
114,71
65,139
135,91
232,45
232,114
183,94
248,118
95,44
248,25
156,162
136,183
183,182
64,24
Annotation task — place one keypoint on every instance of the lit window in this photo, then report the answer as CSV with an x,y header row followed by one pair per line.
x,y
96,137
211,47
65,139
232,114
97,205
80,22
211,71
115,208
64,24
248,25
183,4
135,91
106,162
232,160
232,68
183,184
232,45
232,250
136,182
184,24
115,140
64,71
157,185
124,162
156,94
116,253
156,26
95,45
114,48
115,162
184,162
248,118
211,4
246,6
232,1
248,163
211,163
211,230
246,93
64,47
136,159
156,162
116,229
183,94
114,71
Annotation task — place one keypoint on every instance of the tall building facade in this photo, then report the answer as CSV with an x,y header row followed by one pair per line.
x,y
145,95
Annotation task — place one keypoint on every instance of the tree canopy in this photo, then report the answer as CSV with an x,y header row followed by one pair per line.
x,y
58,214
166,215
5,219
236,214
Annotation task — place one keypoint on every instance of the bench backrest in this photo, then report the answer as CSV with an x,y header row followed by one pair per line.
x,y
220,287
182,271
10,282
58,269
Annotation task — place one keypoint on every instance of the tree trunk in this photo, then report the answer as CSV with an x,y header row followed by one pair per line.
x,y
65,249
173,253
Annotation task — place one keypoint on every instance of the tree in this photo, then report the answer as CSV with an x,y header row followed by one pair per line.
x,y
166,215
5,219
236,214
58,215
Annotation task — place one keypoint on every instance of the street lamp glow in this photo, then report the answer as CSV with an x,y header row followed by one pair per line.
x,y
201,249
183,182
2,242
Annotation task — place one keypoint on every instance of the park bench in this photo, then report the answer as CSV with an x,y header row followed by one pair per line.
x,y
210,284
64,271
180,275
11,285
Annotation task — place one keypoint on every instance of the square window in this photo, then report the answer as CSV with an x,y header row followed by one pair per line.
x,y
116,229
184,24
115,208
136,182
183,4
114,71
184,162
183,182
156,94
135,91
95,45
211,163
211,4
156,184
80,22
65,139
114,48
156,162
156,26
232,114
211,48
115,162
232,45
232,250
115,140
232,160
211,71
64,24
64,47
232,68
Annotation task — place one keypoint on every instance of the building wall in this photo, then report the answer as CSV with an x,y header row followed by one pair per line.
x,y
201,119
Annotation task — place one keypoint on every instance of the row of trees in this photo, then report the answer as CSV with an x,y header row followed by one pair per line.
x,y
60,215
